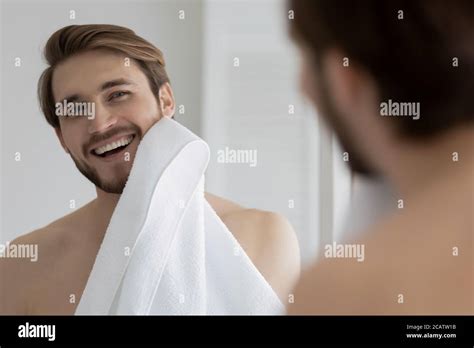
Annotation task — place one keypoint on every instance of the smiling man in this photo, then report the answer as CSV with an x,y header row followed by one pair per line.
x,y
123,77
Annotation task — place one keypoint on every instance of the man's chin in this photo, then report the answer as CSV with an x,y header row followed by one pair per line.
x,y
359,166
116,188
114,183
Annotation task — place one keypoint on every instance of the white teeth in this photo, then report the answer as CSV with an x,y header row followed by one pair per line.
x,y
121,142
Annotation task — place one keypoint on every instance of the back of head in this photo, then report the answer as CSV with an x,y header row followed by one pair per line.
x,y
415,50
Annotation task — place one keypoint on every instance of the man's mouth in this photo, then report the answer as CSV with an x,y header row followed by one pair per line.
x,y
113,147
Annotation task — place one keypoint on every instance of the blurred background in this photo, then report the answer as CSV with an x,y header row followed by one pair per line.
x,y
234,72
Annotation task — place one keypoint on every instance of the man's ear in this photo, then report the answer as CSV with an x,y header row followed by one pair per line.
x,y
167,104
60,137
350,87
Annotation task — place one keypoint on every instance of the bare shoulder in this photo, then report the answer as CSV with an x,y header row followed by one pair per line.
x,y
28,262
412,265
21,267
268,239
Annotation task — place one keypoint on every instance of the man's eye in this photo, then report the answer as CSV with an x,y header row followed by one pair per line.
x,y
118,95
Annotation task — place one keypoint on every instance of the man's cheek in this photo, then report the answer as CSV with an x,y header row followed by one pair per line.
x,y
74,147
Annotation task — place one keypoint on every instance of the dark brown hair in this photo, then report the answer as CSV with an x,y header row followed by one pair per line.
x,y
74,39
411,58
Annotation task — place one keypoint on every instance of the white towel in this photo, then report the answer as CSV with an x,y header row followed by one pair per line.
x,y
165,250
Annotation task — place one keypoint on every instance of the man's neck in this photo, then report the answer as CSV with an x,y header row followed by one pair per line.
x,y
419,165
102,209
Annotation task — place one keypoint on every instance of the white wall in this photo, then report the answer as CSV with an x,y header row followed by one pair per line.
x,y
247,107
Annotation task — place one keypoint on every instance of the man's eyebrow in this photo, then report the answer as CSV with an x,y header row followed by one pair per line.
x,y
73,98
113,83
106,85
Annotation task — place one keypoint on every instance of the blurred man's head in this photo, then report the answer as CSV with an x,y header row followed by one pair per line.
x,y
386,73
123,77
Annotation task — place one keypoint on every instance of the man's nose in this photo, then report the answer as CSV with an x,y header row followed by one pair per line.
x,y
102,120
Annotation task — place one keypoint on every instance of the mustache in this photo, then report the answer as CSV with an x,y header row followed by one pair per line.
x,y
110,133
